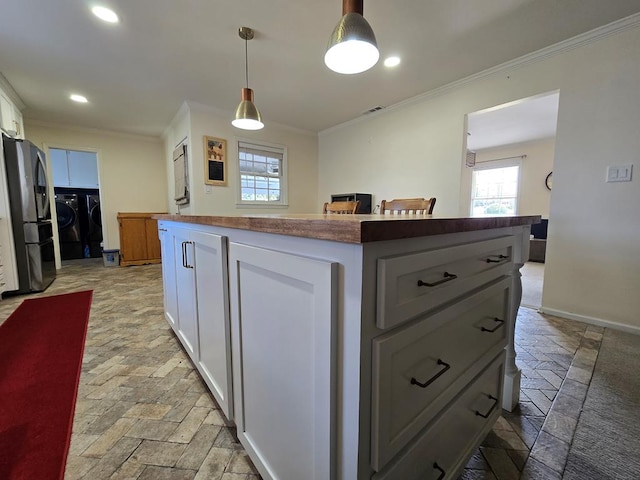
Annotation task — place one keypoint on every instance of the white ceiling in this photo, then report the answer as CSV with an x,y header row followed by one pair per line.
x,y
516,122
137,74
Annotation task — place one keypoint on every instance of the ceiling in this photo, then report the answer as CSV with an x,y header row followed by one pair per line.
x,y
136,74
516,122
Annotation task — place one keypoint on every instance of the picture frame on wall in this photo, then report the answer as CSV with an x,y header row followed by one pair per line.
x,y
215,161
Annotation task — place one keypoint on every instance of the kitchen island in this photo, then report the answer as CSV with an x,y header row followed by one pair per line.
x,y
350,346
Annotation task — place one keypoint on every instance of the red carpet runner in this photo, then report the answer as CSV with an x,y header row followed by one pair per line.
x,y
41,346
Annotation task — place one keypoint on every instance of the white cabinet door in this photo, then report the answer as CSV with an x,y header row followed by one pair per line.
x,y
186,292
196,301
72,168
60,167
6,113
214,336
10,117
169,275
18,122
83,169
283,311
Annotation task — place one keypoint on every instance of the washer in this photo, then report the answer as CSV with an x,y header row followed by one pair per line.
x,y
68,225
95,225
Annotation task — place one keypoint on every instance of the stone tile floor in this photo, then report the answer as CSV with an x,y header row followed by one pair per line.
x,y
557,358
144,413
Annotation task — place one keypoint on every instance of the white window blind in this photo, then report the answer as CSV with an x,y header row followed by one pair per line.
x,y
262,173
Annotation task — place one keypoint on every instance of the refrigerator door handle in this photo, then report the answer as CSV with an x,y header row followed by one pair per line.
x,y
45,196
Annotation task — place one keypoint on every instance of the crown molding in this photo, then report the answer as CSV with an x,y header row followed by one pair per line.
x,y
592,36
96,131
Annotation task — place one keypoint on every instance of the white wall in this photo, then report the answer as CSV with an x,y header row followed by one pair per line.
x,y
406,152
594,245
131,170
534,197
195,121
593,250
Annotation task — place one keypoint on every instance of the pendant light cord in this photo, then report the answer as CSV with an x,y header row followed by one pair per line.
x,y
246,61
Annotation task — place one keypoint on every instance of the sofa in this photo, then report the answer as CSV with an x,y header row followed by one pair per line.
x,y
538,242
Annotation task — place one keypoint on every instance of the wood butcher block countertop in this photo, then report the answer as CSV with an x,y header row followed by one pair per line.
x,y
353,228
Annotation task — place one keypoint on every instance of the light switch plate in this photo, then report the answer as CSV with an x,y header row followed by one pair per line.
x,y
619,173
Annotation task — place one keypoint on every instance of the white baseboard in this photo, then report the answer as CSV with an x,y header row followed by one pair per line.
x,y
591,320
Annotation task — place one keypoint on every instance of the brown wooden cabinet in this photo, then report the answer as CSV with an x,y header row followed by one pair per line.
x,y
139,242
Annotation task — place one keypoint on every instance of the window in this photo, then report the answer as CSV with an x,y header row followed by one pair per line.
x,y
262,173
494,191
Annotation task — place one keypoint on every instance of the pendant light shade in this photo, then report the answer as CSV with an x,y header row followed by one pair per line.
x,y
247,115
352,47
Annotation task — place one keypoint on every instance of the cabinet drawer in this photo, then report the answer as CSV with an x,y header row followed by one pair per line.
x,y
442,449
409,285
419,369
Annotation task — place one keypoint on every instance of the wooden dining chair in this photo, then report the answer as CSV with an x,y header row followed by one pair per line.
x,y
418,206
341,207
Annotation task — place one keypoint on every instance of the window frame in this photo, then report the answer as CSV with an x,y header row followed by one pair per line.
x,y
494,165
265,146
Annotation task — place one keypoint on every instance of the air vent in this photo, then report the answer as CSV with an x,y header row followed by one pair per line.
x,y
471,158
372,110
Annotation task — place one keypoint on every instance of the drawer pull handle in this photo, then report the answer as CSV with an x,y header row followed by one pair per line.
x,y
432,379
491,330
439,468
486,415
496,260
447,278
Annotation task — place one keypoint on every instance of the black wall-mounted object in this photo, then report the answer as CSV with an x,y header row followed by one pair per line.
x,y
365,200
539,230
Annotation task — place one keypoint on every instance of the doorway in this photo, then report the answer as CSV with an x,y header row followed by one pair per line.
x,y
77,199
509,153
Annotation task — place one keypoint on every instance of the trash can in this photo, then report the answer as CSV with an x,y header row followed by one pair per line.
x,y
111,258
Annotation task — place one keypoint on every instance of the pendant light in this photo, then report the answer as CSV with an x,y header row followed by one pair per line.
x,y
247,115
352,47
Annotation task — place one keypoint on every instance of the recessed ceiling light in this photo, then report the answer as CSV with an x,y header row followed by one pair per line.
x,y
106,14
78,98
392,61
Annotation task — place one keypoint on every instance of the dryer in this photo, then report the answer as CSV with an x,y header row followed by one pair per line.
x,y
68,226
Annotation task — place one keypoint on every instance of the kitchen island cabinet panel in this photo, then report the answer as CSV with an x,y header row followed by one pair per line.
x,y
169,275
186,289
196,302
442,449
412,284
419,369
214,330
284,310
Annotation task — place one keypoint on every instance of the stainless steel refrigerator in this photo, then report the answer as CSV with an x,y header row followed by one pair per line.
x,y
30,214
